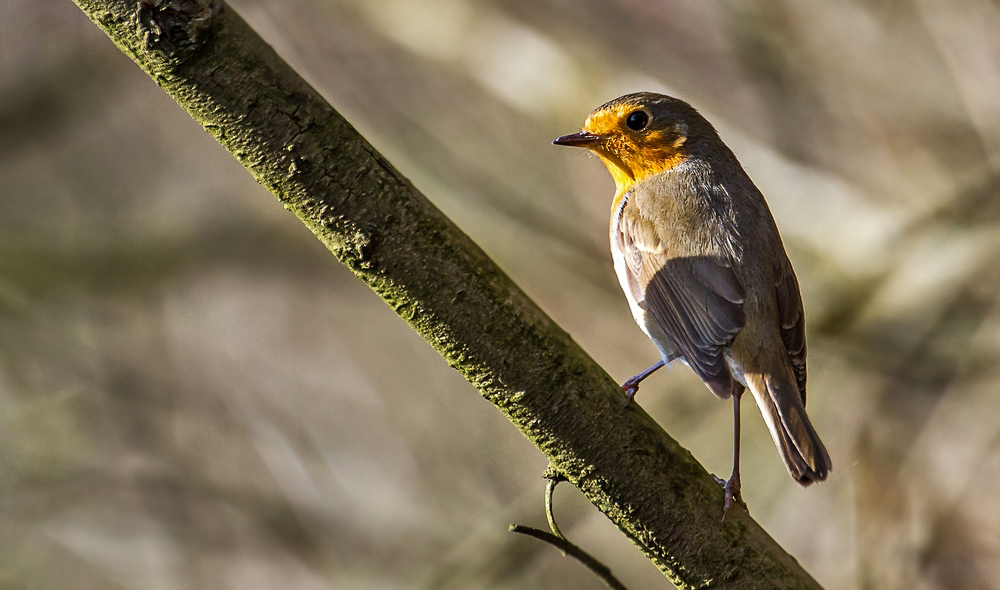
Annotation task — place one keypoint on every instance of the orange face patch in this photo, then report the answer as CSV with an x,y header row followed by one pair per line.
x,y
632,156
608,121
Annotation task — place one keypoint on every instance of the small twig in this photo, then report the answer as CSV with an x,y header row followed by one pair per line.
x,y
559,541
549,489
600,570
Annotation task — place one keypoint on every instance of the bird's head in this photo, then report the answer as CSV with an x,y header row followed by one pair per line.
x,y
639,135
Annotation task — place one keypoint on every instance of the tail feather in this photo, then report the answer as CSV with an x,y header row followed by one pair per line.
x,y
804,454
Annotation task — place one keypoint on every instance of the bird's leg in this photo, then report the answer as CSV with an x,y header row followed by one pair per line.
x,y
631,385
732,486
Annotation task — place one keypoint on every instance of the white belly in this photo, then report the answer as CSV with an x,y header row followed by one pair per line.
x,y
638,312
642,317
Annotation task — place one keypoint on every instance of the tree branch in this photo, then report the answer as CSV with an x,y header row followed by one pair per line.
x,y
375,222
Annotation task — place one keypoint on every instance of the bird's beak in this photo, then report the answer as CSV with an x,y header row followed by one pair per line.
x,y
581,139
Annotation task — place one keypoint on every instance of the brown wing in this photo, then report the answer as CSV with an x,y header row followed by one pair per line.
x,y
793,323
696,300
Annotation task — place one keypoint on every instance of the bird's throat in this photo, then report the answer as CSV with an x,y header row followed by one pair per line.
x,y
620,173
627,175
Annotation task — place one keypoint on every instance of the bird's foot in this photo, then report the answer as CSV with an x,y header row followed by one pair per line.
x,y
732,490
631,385
630,388
733,496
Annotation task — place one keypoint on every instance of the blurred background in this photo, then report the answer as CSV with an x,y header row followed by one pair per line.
x,y
195,394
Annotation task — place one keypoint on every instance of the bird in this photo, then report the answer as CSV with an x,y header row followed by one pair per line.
x,y
703,268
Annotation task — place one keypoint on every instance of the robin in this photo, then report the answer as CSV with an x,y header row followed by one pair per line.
x,y
703,268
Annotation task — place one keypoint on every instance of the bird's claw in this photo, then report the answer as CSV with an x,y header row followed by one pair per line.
x,y
630,390
732,489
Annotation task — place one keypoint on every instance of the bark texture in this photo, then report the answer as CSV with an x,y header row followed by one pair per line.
x,y
375,222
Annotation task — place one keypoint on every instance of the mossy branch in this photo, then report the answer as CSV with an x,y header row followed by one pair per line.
x,y
375,222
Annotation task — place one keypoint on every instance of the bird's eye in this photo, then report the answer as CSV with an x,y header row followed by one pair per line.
x,y
637,120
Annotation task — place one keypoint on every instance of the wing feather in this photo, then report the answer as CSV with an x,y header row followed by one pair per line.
x,y
696,300
793,323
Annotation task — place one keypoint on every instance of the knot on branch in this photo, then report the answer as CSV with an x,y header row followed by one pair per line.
x,y
177,28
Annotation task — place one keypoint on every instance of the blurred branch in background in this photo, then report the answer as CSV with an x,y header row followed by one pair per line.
x,y
194,397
